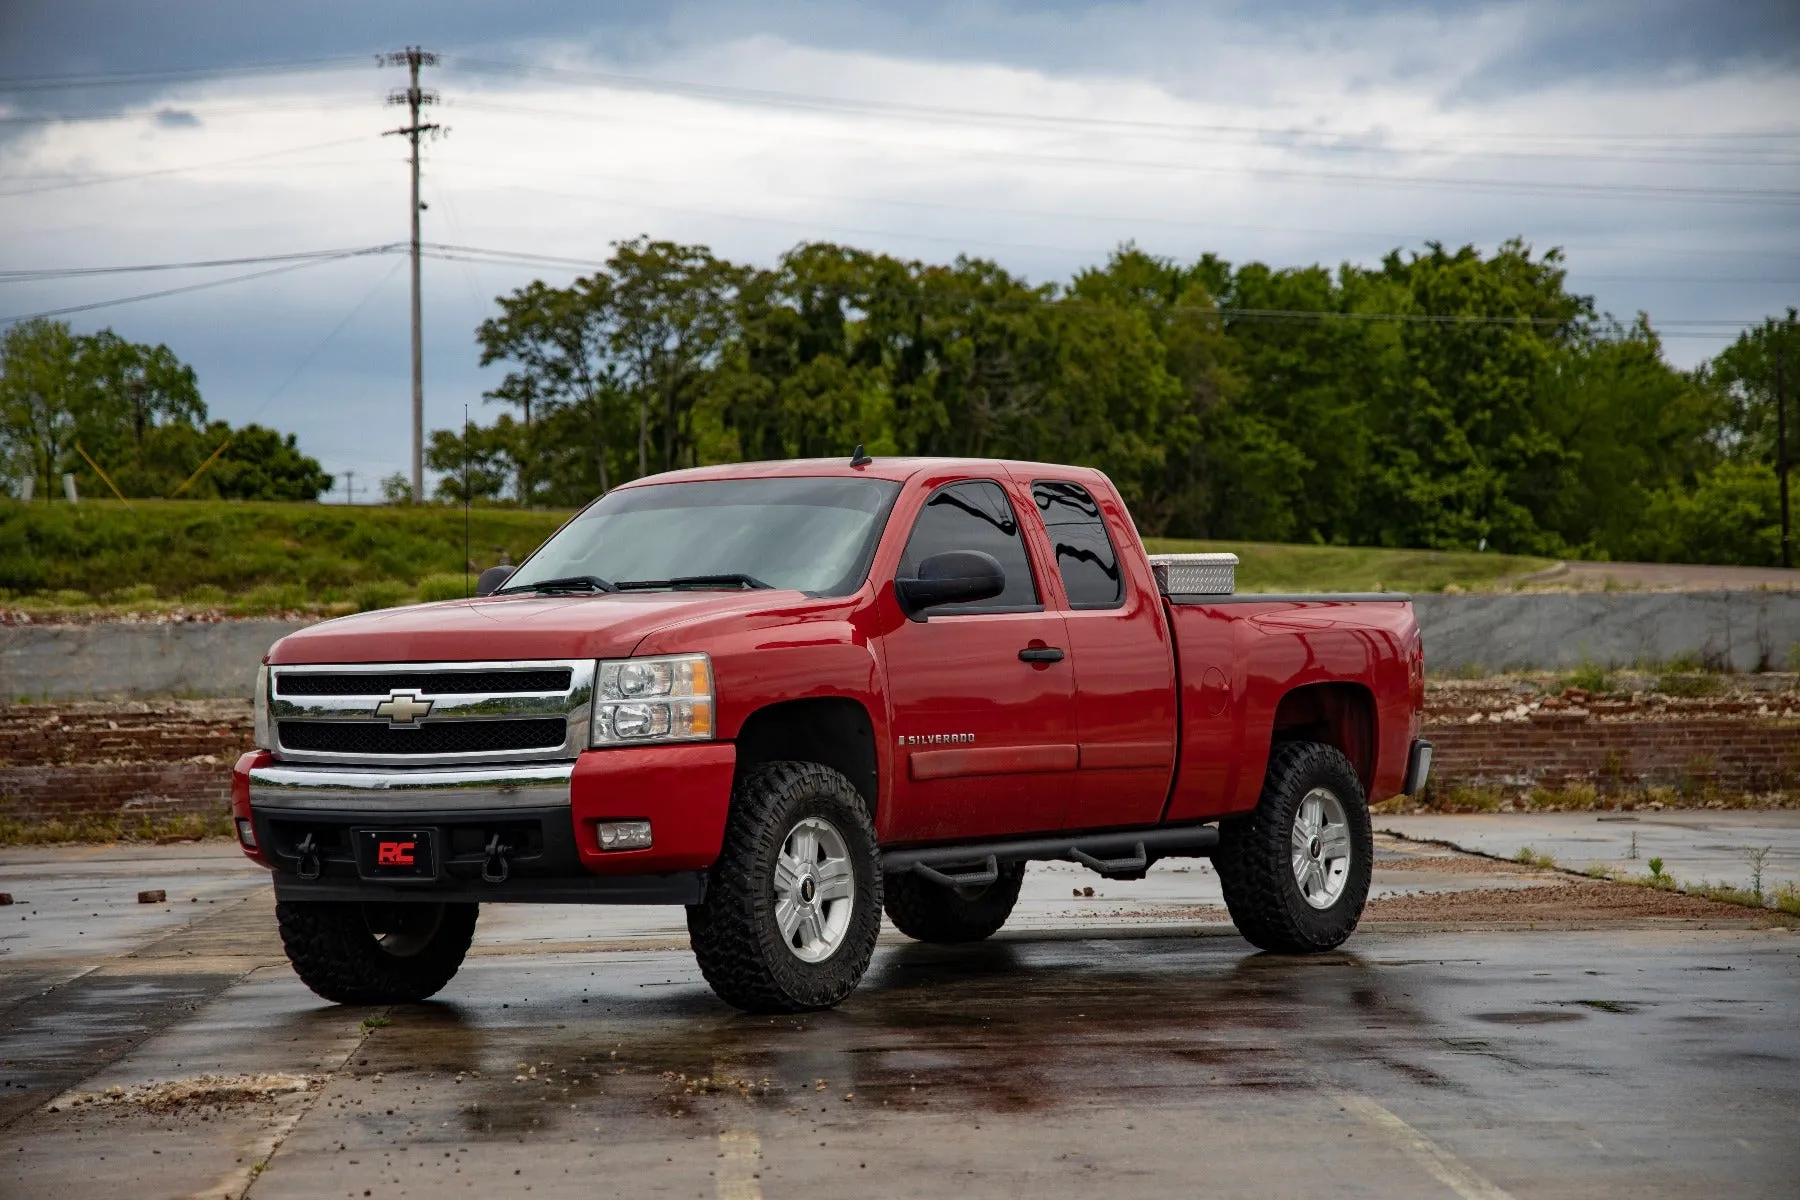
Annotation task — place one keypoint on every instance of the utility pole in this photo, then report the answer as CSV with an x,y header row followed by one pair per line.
x,y
349,485
415,97
1781,459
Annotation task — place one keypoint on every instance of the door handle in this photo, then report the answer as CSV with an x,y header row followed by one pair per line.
x,y
1040,654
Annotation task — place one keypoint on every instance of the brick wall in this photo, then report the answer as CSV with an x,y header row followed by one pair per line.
x,y
132,759
1692,755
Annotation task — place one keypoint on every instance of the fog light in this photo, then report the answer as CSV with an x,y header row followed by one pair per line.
x,y
246,833
624,835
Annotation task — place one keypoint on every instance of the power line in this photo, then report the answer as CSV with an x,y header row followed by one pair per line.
x,y
1333,142
192,287
786,99
46,273
38,83
1572,188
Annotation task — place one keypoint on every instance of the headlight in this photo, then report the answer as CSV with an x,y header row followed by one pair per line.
x,y
668,699
259,707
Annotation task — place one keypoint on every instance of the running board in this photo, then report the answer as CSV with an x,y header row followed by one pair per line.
x,y
1125,854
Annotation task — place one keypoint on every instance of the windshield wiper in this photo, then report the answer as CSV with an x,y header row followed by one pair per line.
x,y
731,579
566,583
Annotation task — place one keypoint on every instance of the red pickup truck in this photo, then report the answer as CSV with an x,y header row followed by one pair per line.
x,y
791,696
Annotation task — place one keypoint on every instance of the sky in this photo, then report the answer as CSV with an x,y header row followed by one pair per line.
x,y
1657,143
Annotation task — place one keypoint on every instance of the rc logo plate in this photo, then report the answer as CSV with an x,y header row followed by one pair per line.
x,y
396,853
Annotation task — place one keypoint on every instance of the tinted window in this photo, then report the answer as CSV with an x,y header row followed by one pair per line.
x,y
973,516
816,535
1084,553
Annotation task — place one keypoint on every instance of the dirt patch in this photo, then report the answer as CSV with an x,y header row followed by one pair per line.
x,y
203,1091
1577,900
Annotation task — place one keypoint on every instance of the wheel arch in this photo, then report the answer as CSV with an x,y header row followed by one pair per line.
x,y
1338,714
834,731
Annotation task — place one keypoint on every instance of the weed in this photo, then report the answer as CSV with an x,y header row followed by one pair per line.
x,y
1589,677
1656,866
1597,870
1689,685
1531,858
1725,893
1787,899
114,827
1755,859
369,1023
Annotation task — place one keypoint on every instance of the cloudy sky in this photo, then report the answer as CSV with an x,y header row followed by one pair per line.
x,y
1657,142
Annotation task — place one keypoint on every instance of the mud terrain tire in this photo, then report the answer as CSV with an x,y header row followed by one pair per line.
x,y
353,953
930,912
740,947
1258,853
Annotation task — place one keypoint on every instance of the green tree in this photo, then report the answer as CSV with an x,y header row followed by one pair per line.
x,y
45,399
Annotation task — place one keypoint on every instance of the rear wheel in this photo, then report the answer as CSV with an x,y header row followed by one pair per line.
x,y
1295,872
930,912
352,953
793,905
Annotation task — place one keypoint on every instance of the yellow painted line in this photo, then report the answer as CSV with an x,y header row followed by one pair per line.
x,y
741,1156
1445,1167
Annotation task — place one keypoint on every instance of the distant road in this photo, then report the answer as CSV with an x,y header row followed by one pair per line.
x,y
1664,577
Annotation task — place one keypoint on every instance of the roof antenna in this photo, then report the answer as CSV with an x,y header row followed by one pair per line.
x,y
858,458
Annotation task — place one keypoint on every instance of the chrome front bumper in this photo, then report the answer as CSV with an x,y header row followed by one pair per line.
x,y
286,787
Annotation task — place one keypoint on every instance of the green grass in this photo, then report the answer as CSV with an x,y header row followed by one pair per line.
x,y
264,556
1266,567
253,557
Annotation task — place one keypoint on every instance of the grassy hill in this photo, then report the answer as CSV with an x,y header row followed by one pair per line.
x,y
269,557
1270,567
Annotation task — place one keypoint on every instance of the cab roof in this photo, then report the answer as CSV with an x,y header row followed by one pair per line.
x,y
897,469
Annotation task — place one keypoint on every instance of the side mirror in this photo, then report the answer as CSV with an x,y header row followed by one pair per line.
x,y
492,580
953,577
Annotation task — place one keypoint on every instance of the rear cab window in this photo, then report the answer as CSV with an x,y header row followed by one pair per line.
x,y
1085,555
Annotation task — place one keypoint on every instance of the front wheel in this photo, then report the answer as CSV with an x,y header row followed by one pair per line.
x,y
353,953
1296,871
793,905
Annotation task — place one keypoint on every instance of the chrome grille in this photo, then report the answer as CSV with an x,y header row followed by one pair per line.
x,y
380,683
443,737
431,714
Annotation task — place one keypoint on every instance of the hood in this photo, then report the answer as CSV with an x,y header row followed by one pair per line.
x,y
503,628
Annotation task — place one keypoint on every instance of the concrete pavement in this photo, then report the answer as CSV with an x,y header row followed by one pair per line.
x,y
1127,1043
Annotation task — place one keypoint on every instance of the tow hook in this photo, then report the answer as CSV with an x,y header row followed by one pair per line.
x,y
308,850
495,868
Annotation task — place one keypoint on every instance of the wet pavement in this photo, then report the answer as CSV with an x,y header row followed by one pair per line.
x,y
1127,1043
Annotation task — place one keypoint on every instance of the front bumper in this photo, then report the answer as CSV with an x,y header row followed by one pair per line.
x,y
545,814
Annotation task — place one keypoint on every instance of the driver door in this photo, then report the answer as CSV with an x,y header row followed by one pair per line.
x,y
985,740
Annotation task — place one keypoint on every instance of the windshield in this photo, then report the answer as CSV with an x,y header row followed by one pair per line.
x,y
816,535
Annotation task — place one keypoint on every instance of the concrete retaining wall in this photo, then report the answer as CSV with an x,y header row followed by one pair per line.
x,y
1737,631
1740,631
118,660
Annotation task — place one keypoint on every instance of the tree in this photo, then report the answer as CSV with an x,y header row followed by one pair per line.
x,y
44,398
1447,398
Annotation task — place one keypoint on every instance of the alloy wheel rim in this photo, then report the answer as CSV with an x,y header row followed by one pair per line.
x,y
1319,848
815,889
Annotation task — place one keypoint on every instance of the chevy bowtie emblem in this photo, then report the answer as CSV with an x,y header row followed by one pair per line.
x,y
404,708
